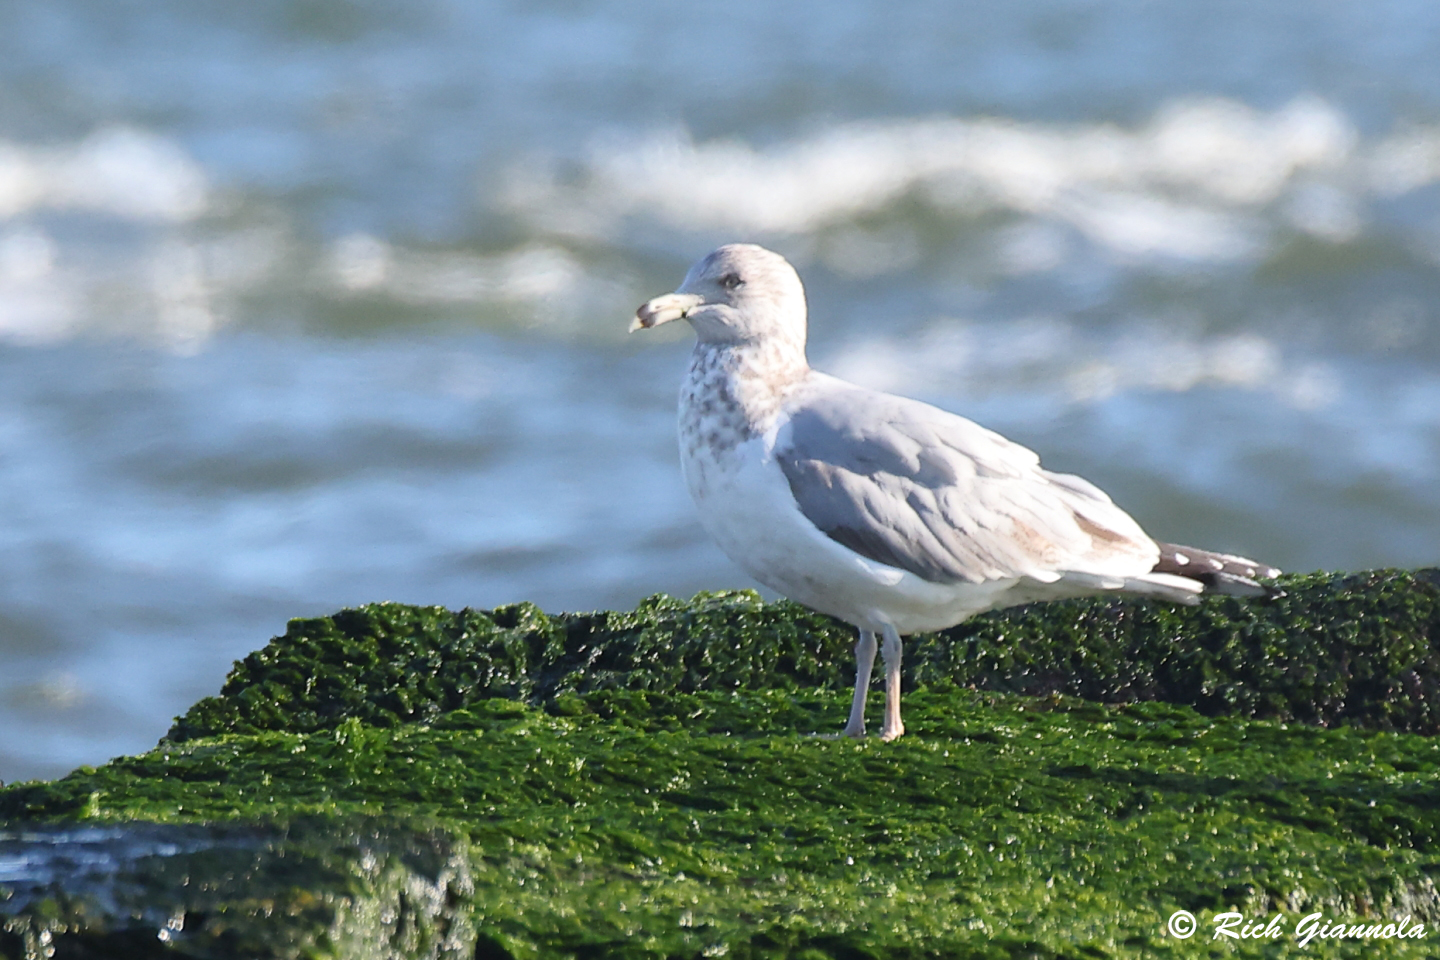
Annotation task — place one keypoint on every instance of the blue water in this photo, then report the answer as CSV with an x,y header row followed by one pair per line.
x,y
310,304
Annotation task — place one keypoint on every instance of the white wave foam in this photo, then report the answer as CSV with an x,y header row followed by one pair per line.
x,y
157,283
183,295
1241,155
361,263
1404,161
1063,365
1205,181
117,171
34,305
1135,225
169,288
542,284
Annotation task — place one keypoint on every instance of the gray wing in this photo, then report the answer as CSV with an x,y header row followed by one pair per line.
x,y
914,487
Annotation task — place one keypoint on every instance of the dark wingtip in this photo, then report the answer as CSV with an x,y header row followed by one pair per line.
x,y
1222,573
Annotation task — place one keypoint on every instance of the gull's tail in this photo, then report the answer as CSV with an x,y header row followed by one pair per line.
x,y
1219,572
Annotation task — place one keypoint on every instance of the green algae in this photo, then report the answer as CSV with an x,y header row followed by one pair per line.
x,y
648,784
1362,650
668,825
389,663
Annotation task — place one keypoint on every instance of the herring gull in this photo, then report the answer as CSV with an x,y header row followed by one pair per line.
x,y
888,513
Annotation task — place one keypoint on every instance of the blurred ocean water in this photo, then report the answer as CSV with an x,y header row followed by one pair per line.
x,y
311,304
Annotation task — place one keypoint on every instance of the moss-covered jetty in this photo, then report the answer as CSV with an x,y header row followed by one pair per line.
x,y
414,782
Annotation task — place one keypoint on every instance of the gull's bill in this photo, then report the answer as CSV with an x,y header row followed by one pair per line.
x,y
672,306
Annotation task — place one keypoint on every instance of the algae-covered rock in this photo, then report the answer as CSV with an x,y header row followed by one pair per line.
x,y
411,782
1333,649
388,663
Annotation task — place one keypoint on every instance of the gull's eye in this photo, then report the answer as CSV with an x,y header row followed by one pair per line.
x,y
731,280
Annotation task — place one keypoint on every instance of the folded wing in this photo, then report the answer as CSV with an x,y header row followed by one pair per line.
x,y
914,487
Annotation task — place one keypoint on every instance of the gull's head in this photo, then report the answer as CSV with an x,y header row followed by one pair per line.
x,y
740,293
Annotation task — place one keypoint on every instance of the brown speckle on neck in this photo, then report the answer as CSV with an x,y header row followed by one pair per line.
x,y
734,392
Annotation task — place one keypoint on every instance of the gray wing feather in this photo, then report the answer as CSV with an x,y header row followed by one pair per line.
x,y
911,486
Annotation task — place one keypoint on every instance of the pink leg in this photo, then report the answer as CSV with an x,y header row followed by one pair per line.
x,y
864,664
891,653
